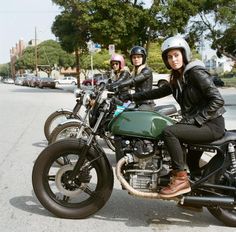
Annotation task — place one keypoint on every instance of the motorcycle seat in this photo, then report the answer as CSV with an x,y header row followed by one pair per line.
x,y
228,136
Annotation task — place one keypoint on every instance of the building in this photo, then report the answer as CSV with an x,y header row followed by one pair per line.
x,y
15,53
216,65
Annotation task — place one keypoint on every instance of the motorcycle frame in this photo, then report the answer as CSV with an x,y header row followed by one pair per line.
x,y
222,150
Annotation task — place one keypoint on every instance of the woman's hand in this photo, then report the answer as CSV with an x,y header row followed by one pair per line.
x,y
126,97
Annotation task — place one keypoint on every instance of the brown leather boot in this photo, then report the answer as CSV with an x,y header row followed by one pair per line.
x,y
178,185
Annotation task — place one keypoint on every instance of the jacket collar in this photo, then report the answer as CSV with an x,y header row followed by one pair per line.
x,y
194,64
140,68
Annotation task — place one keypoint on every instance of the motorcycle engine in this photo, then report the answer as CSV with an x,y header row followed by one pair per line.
x,y
148,168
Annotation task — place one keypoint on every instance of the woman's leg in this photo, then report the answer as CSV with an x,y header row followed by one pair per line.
x,y
173,135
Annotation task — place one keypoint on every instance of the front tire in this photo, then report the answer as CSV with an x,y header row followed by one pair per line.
x,y
55,118
68,130
72,198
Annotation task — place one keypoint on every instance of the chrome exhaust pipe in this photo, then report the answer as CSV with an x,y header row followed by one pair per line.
x,y
208,201
127,186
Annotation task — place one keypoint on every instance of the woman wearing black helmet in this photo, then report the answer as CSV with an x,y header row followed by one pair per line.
x,y
141,76
201,107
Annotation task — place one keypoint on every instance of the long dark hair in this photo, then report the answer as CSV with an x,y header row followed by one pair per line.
x,y
178,74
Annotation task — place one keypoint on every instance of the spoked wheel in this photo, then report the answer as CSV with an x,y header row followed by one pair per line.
x,y
68,130
226,215
72,198
56,118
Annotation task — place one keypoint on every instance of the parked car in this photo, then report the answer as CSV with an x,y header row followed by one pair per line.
x,y
217,81
66,80
47,82
98,79
8,81
34,82
19,80
160,79
27,80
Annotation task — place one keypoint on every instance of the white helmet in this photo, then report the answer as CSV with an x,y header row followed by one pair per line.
x,y
176,42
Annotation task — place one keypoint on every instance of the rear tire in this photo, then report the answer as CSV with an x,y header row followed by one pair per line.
x,y
227,216
77,198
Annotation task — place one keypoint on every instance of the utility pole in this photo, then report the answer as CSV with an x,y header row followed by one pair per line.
x,y
36,53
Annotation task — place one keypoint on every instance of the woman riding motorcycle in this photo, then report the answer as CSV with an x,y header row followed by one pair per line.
x,y
120,72
201,107
141,76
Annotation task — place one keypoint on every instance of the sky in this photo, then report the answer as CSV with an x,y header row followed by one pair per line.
x,y
20,18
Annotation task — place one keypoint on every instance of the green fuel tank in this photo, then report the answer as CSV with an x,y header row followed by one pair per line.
x,y
143,124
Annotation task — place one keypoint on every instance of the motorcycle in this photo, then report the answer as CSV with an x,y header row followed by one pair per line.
x,y
64,114
71,127
83,184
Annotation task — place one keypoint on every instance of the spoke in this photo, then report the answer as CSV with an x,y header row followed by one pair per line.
x,y
87,190
66,198
51,177
66,160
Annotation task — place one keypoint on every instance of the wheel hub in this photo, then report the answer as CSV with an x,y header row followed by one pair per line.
x,y
65,185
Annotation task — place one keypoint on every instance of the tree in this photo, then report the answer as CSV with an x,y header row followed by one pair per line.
x,y
227,43
214,20
155,59
4,70
123,23
124,28
49,53
71,28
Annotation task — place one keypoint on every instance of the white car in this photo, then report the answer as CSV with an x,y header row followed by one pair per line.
x,y
8,81
66,81
160,79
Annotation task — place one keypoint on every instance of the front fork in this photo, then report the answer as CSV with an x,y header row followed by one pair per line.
x,y
79,165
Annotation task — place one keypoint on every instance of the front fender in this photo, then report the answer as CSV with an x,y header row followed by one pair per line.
x,y
64,109
76,122
70,120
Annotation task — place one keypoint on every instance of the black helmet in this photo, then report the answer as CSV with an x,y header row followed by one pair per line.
x,y
138,50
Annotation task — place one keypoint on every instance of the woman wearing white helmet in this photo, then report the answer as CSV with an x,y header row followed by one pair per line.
x,y
202,107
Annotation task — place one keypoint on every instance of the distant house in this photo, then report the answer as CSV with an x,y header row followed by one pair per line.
x,y
217,65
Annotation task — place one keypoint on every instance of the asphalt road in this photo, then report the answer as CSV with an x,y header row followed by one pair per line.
x,y
23,111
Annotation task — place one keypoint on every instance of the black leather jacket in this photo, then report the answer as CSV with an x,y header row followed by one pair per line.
x,y
197,96
142,81
123,76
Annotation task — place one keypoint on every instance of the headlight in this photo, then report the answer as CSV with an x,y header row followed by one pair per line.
x,y
86,99
78,93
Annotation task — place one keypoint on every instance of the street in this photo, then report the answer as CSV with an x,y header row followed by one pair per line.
x,y
23,113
